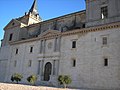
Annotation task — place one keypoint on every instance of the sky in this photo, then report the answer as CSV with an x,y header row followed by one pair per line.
x,y
48,9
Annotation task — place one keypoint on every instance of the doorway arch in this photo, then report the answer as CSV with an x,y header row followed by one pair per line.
x,y
47,71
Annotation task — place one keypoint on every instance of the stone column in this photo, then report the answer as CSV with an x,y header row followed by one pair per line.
x,y
55,44
42,70
53,69
57,68
59,44
39,67
44,46
41,46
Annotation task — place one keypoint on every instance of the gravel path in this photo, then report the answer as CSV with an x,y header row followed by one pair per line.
x,y
6,86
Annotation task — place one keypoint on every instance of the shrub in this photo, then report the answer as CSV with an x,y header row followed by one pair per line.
x,y
32,79
16,77
64,79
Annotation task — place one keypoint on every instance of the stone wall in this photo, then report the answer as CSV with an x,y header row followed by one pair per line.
x,y
93,12
89,54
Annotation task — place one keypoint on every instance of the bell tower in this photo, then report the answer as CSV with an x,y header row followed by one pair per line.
x,y
32,16
33,10
13,28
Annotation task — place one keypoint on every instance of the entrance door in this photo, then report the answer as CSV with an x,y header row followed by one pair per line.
x,y
47,71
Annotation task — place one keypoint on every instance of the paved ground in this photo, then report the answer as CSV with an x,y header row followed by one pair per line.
x,y
6,86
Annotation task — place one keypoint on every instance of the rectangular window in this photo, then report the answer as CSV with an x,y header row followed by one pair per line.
x,y
31,49
73,62
15,63
105,61
11,35
73,44
16,52
29,63
104,12
104,39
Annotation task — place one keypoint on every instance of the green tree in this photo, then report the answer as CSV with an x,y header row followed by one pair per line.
x,y
64,79
16,77
32,79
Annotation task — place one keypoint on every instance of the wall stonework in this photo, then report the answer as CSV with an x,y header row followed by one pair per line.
x,y
52,43
93,12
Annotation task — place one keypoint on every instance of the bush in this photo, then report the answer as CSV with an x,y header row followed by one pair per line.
x,y
64,79
16,77
32,79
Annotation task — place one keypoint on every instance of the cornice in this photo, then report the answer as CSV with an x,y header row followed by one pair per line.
x,y
13,27
73,32
93,29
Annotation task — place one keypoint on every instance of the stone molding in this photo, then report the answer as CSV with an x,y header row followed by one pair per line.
x,y
73,32
50,56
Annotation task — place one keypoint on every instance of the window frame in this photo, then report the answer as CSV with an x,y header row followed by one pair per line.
x,y
74,44
11,37
106,62
73,62
104,12
31,49
104,40
16,52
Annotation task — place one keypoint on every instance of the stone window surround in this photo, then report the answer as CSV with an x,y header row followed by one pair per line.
x,y
104,12
105,40
31,49
16,51
11,36
74,43
106,61
73,62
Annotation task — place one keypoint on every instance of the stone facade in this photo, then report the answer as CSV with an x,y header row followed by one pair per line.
x,y
93,12
74,45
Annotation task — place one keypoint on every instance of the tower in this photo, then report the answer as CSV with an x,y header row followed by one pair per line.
x,y
13,28
100,12
32,16
33,10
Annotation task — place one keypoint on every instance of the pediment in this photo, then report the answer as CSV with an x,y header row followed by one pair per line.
x,y
13,23
49,33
